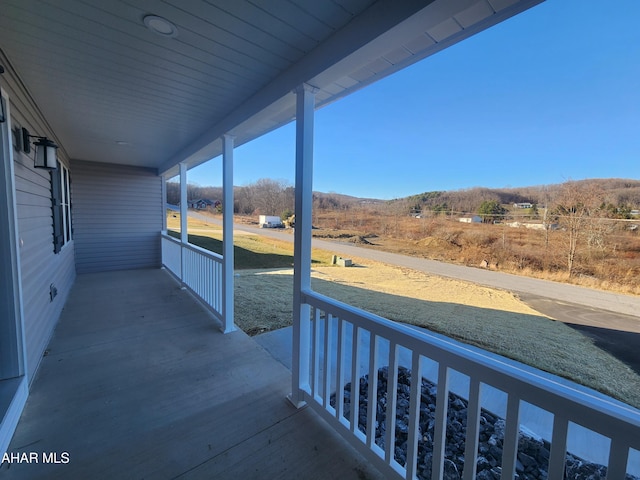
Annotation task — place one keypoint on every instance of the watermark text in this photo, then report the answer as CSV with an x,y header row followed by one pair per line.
x,y
36,457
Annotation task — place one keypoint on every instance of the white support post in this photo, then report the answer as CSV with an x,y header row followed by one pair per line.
x,y
305,105
227,234
184,234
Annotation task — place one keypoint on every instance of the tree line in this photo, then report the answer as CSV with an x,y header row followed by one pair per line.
x,y
582,212
265,197
617,197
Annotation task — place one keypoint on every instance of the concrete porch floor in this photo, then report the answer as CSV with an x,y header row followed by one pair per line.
x,y
138,382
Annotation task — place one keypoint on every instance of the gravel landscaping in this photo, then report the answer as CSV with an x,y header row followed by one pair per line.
x,y
533,453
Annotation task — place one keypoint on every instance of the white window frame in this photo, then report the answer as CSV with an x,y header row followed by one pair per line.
x,y
61,206
65,188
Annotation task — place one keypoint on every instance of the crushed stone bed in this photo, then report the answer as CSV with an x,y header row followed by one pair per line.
x,y
533,454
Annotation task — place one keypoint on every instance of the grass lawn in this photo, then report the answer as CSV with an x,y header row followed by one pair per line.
x,y
491,319
249,251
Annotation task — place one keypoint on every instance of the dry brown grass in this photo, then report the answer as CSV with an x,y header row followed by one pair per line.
x,y
614,267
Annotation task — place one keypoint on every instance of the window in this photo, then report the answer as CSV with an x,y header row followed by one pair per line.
x,y
61,207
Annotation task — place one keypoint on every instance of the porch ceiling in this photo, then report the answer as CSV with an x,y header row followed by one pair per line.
x,y
115,92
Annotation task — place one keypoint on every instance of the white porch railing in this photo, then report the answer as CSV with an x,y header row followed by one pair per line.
x,y
198,269
172,255
339,343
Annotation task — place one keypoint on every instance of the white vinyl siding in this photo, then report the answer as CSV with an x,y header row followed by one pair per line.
x,y
117,217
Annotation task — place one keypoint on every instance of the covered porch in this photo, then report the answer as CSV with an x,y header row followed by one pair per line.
x,y
139,382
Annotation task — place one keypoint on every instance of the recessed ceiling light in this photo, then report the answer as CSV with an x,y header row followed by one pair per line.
x,y
160,26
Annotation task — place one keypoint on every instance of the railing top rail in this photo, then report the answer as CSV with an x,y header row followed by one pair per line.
x,y
203,251
577,404
164,234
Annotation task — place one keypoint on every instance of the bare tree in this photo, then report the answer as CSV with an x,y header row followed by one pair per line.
x,y
243,201
577,205
271,197
173,193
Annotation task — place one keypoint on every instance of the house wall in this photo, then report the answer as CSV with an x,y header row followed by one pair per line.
x,y
40,266
117,217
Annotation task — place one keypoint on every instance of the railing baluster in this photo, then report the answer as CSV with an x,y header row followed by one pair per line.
x,y
372,394
218,283
204,264
212,285
440,425
198,274
217,286
510,443
392,400
315,340
414,416
355,379
473,430
340,371
208,284
558,447
327,360
618,458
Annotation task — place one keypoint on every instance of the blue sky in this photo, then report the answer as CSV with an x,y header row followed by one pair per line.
x,y
550,95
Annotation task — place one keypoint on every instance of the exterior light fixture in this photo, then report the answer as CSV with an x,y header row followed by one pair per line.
x,y
46,154
160,26
46,150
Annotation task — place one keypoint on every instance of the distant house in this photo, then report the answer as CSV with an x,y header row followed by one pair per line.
x,y
523,205
203,204
635,213
471,219
533,225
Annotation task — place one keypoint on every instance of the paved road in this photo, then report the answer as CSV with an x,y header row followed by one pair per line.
x,y
564,293
612,320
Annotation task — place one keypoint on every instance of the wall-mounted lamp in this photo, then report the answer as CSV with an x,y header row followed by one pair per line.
x,y
46,150
46,154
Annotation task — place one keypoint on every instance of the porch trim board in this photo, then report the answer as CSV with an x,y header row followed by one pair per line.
x,y
13,378
13,397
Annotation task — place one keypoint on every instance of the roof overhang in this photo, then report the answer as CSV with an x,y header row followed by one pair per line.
x,y
77,70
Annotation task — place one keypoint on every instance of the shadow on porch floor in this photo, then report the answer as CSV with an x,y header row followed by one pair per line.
x,y
138,382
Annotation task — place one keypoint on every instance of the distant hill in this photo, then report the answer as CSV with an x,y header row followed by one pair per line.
x,y
273,196
338,200
617,191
